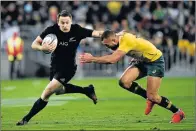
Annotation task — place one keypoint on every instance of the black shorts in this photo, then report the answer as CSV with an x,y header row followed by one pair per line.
x,y
63,76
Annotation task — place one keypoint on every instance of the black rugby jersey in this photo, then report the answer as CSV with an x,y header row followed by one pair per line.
x,y
65,53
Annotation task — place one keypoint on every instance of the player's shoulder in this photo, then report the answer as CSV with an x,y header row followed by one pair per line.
x,y
51,27
127,35
75,26
54,26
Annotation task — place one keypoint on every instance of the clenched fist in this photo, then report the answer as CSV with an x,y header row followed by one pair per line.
x,y
86,58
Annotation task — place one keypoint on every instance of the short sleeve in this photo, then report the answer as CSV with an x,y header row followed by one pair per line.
x,y
84,32
126,43
46,31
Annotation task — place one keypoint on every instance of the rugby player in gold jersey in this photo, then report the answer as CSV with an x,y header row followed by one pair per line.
x,y
148,61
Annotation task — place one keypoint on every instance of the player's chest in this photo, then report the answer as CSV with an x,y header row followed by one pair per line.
x,y
67,40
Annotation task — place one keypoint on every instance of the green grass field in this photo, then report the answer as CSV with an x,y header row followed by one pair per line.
x,y
117,109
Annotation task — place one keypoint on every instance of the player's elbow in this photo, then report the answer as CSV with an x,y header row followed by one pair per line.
x,y
33,45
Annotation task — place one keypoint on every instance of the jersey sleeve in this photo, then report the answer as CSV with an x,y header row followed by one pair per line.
x,y
46,31
126,43
84,32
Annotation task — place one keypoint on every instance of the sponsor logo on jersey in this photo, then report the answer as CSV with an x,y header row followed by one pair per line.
x,y
154,71
72,39
62,79
63,43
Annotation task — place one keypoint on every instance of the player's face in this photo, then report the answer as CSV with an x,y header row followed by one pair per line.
x,y
64,23
110,42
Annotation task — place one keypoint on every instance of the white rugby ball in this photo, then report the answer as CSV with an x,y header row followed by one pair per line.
x,y
50,39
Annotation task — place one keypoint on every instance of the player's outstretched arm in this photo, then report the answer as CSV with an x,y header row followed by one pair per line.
x,y
99,33
107,59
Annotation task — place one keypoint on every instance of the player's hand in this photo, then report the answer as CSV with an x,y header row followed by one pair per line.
x,y
86,58
48,47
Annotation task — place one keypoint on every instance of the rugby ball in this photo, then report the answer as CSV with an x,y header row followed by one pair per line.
x,y
50,39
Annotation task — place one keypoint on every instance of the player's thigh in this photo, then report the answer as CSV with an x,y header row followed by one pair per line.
x,y
132,73
54,85
153,85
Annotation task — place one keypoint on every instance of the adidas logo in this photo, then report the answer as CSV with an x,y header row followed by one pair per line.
x,y
154,71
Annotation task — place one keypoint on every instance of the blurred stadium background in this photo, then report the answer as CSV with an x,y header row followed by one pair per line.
x,y
169,25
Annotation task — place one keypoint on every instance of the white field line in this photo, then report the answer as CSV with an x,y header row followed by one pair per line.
x,y
54,101
9,88
36,83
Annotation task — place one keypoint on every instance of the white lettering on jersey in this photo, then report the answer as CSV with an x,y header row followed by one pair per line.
x,y
64,43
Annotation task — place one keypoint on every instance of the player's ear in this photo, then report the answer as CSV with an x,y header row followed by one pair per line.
x,y
57,19
58,23
116,39
71,20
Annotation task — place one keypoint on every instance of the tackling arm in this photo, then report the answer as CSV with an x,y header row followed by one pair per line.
x,y
97,33
107,59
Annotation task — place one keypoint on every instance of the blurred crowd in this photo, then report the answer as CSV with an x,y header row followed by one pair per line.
x,y
165,23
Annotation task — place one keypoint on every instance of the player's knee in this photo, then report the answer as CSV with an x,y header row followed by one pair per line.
x,y
47,93
124,83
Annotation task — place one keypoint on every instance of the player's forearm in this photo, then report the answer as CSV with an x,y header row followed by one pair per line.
x,y
104,59
97,33
36,46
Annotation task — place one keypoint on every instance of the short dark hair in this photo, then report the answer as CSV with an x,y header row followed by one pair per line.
x,y
106,34
64,13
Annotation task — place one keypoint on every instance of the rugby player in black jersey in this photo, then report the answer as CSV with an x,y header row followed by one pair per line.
x,y
63,65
